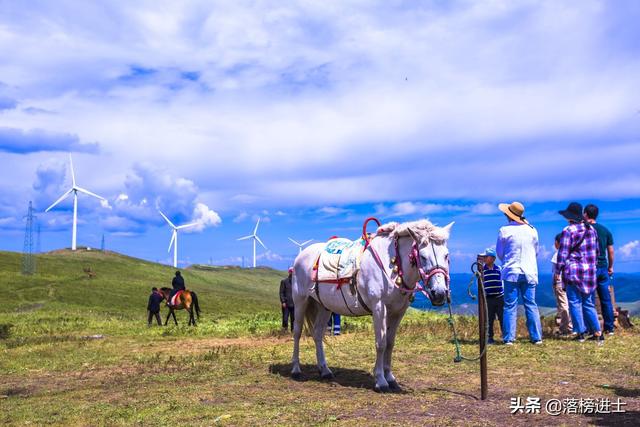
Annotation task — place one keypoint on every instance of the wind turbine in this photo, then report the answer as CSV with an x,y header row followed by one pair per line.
x,y
300,245
74,189
255,238
174,237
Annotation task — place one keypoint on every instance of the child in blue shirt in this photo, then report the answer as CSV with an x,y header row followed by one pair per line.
x,y
493,289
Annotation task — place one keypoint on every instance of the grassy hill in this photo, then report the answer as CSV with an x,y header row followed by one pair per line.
x,y
78,352
61,294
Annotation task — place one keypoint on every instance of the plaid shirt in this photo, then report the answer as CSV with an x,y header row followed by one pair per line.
x,y
578,266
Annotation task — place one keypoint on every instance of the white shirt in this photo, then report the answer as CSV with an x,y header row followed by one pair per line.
x,y
517,248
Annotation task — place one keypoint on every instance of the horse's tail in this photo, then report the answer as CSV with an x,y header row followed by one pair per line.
x,y
310,314
194,299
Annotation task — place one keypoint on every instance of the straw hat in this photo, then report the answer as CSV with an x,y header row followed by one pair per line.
x,y
515,211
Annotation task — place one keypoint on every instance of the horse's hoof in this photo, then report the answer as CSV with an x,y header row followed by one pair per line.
x,y
328,376
394,386
296,376
383,389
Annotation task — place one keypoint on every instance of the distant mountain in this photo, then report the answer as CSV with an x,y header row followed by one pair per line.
x,y
627,290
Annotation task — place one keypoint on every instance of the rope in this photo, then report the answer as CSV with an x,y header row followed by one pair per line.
x,y
459,357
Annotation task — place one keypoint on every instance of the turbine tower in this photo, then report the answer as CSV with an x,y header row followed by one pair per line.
x,y
255,239
74,190
300,245
174,237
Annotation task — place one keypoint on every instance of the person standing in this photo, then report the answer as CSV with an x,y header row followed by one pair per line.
x,y
517,248
153,306
333,326
493,290
577,259
563,319
604,266
286,300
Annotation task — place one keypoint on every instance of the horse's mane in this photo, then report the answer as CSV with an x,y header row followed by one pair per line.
x,y
422,228
165,288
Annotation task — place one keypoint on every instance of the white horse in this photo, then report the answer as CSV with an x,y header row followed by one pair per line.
x,y
396,258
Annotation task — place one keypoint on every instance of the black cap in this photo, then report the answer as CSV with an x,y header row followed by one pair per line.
x,y
573,212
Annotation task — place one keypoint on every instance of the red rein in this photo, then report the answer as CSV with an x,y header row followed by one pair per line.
x,y
414,258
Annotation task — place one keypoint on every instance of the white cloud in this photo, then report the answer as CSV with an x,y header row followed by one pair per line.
x,y
307,116
241,217
630,251
204,217
333,211
484,209
544,254
403,209
8,221
271,256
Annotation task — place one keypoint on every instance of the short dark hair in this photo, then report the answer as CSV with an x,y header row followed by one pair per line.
x,y
591,211
558,237
177,273
154,289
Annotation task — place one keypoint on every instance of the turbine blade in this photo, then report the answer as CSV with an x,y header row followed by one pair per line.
x,y
294,242
73,175
307,242
167,219
245,237
64,196
259,241
180,227
255,230
173,239
89,193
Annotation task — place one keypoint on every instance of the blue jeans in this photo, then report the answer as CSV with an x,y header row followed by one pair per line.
x,y
334,321
582,308
605,298
512,290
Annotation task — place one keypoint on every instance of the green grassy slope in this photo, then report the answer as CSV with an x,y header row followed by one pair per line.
x,y
233,369
62,294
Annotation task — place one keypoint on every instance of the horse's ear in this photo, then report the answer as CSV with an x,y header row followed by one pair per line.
x,y
449,226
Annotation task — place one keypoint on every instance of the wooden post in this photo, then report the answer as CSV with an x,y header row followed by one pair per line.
x,y
482,326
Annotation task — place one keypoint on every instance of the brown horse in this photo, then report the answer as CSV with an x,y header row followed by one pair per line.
x,y
188,301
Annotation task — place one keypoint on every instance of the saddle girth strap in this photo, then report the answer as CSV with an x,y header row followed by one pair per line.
x,y
360,300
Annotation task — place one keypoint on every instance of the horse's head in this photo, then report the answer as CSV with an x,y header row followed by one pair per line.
x,y
428,254
434,257
434,264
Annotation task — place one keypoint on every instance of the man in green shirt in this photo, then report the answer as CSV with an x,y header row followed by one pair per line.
x,y
604,266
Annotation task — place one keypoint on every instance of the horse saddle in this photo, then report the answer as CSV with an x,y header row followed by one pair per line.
x,y
339,261
175,300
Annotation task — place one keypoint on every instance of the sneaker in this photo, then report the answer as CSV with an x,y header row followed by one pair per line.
x,y
491,341
508,343
579,338
596,338
610,333
537,342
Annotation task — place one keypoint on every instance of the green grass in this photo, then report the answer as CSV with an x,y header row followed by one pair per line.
x,y
233,368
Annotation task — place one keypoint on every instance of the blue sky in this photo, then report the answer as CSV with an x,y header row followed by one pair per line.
x,y
314,116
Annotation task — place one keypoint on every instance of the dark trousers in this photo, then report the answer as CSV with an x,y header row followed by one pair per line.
x,y
495,309
157,315
287,313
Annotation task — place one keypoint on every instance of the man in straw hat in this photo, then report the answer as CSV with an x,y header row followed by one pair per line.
x,y
577,258
517,248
